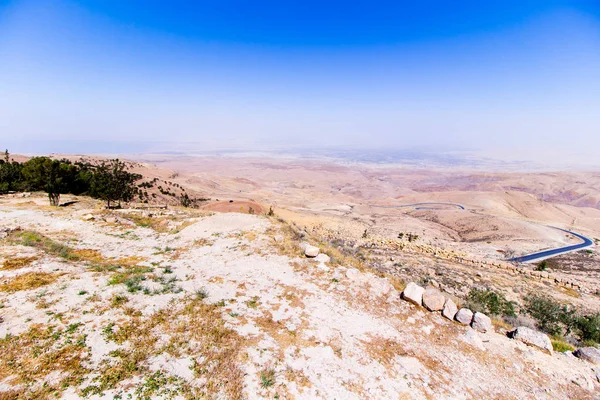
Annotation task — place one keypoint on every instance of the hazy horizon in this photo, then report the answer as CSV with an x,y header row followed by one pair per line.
x,y
504,79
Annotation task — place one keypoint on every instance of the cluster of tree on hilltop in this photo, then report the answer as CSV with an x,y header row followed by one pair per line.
x,y
108,180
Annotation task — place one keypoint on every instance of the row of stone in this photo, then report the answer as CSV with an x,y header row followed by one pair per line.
x,y
433,300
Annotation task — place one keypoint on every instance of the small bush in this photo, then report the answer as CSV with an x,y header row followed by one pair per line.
x,y
201,294
551,317
267,378
490,302
118,300
542,266
588,327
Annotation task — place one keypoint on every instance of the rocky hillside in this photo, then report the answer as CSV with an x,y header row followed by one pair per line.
x,y
194,304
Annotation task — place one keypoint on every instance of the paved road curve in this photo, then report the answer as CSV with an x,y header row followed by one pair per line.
x,y
587,242
418,206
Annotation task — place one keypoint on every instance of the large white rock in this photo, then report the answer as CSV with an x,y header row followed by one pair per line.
x,y
450,309
590,354
413,293
482,322
323,258
464,316
311,251
433,300
532,338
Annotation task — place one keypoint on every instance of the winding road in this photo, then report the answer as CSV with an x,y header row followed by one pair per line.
x,y
419,206
541,255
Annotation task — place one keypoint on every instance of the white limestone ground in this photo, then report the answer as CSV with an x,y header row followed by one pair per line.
x,y
325,331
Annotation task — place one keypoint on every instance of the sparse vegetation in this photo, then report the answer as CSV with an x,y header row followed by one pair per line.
x,y
49,246
201,294
542,266
489,302
267,377
194,329
562,319
29,357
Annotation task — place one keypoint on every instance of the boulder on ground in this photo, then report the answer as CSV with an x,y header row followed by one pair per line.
x,y
88,217
590,354
323,258
532,338
413,293
464,316
311,251
450,309
482,322
433,300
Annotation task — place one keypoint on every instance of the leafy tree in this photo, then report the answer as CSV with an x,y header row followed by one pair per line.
x,y
10,174
112,182
52,176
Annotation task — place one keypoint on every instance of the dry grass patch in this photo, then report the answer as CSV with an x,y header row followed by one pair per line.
x,y
282,335
18,263
569,291
29,281
384,350
203,242
28,358
501,325
189,330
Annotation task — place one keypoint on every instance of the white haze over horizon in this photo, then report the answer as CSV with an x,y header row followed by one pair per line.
x,y
78,78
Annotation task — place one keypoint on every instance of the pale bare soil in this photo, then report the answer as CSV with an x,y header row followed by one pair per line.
x,y
187,303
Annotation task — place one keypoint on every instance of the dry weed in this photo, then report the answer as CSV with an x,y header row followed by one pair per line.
x,y
18,263
29,281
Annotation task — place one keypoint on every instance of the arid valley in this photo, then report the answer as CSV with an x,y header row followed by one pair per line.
x,y
220,296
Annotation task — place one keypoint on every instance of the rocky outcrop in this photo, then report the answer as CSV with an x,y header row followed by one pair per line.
x,y
482,322
450,309
433,300
532,338
591,354
413,293
464,316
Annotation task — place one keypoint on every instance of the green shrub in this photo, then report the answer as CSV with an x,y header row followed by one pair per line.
x,y
542,266
588,327
552,317
489,302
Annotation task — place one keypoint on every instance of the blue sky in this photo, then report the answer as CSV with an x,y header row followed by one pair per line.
x,y
487,75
